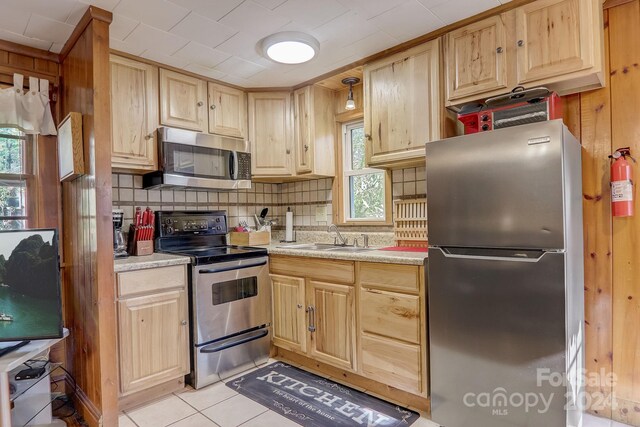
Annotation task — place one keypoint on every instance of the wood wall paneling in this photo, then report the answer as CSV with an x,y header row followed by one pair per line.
x,y
88,242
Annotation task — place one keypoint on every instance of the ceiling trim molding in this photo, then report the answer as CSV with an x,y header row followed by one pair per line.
x,y
608,4
92,13
28,51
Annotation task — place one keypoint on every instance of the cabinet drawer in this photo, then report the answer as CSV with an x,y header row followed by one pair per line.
x,y
390,314
392,362
324,270
151,280
403,278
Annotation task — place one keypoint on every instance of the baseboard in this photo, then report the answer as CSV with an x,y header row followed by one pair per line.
x,y
86,408
153,393
626,411
386,392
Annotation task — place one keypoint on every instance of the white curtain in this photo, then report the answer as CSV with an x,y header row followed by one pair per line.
x,y
28,111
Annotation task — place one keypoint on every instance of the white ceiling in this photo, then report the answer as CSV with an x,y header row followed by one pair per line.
x,y
218,38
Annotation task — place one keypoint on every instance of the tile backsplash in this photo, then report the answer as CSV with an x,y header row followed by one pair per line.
x,y
311,201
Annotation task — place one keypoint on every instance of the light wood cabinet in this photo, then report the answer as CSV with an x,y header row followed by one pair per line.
x,y
314,124
153,328
271,134
289,323
558,44
183,101
333,329
227,111
477,58
402,105
134,117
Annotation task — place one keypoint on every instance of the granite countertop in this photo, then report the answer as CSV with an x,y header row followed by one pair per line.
x,y
149,261
390,257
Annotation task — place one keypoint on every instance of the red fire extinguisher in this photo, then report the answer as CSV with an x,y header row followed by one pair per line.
x,y
621,183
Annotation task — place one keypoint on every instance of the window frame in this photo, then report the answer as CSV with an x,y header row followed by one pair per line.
x,y
342,209
25,179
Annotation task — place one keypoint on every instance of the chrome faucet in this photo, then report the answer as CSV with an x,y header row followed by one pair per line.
x,y
339,239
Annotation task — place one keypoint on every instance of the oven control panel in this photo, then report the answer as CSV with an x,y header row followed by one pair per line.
x,y
190,223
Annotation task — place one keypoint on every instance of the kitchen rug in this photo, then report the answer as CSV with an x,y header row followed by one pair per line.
x,y
313,401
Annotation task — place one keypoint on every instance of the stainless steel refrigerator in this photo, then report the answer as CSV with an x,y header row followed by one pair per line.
x,y
505,278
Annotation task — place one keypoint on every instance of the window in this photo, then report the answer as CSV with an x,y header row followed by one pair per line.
x,y
364,189
15,175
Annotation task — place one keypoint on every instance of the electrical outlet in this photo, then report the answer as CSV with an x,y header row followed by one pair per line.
x,y
321,213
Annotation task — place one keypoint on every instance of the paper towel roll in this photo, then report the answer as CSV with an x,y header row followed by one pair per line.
x,y
288,234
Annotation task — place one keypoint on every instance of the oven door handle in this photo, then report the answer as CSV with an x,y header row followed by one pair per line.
x,y
235,341
233,165
239,267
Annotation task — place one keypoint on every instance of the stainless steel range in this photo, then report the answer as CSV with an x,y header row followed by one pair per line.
x,y
230,300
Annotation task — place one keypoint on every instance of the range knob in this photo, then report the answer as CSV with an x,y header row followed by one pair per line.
x,y
169,230
218,228
217,219
203,227
168,221
485,127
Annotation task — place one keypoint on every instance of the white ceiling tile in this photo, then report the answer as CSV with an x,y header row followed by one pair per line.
x,y
27,41
78,11
102,4
157,13
254,19
122,26
370,8
161,57
270,4
203,30
243,45
211,9
347,27
14,20
126,47
56,47
311,13
239,67
416,21
456,10
43,28
204,71
238,81
431,3
201,55
145,37
370,45
58,10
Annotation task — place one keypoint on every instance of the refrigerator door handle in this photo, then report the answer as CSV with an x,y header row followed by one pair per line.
x,y
512,255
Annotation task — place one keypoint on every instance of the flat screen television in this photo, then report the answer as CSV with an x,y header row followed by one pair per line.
x,y
30,302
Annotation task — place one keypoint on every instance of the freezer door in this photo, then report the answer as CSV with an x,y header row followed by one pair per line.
x,y
497,326
498,189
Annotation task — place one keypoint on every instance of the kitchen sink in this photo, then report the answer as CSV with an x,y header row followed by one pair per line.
x,y
350,249
325,247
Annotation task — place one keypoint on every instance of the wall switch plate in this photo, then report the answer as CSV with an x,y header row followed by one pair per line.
x,y
321,213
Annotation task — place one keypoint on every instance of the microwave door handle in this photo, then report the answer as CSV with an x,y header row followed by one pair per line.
x,y
233,165
223,269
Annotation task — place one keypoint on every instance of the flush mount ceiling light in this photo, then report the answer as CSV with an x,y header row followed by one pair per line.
x,y
290,47
351,104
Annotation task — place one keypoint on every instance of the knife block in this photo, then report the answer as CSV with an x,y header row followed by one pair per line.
x,y
144,247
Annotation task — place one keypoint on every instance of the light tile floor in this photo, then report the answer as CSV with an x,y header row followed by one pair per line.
x,y
220,406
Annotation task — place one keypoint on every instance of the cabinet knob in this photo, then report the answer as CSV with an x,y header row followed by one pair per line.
x,y
213,106
184,323
368,136
299,305
148,137
499,50
288,151
520,43
306,148
200,103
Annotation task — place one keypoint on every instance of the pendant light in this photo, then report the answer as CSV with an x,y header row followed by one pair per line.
x,y
351,104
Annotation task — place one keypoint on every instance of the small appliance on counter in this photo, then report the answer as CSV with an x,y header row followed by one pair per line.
x,y
517,107
230,294
119,248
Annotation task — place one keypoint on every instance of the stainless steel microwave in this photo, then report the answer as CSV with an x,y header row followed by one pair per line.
x,y
190,159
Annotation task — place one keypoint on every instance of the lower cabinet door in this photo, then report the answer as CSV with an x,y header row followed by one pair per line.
x,y
153,340
288,329
332,328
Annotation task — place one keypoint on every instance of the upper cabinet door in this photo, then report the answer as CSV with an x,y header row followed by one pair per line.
x,y
270,133
303,102
182,101
227,111
477,58
402,105
556,37
134,117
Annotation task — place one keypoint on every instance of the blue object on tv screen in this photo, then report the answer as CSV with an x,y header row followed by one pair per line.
x,y
30,302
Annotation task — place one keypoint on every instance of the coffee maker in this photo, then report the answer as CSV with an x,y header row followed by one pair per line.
x,y
119,247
